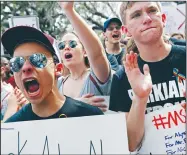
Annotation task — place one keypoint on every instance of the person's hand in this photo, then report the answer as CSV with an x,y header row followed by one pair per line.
x,y
16,99
67,6
140,83
7,86
95,101
21,100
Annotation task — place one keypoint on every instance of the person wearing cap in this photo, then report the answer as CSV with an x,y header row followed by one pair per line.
x,y
33,66
83,54
112,32
155,78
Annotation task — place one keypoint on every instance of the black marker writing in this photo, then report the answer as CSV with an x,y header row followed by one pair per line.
x,y
46,141
19,151
59,149
92,147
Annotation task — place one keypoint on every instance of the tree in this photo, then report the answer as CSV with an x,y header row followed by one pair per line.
x,y
52,19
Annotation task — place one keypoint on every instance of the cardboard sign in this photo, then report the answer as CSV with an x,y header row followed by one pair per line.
x,y
32,21
104,134
165,132
175,17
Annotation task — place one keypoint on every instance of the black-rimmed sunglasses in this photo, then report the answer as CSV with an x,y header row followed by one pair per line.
x,y
71,44
38,60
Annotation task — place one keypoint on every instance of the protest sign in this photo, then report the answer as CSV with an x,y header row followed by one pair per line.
x,y
175,17
32,21
104,134
165,132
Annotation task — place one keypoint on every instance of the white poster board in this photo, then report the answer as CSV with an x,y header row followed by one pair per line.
x,y
32,21
165,132
104,134
175,17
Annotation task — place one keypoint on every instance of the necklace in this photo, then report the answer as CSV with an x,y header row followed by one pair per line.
x,y
79,76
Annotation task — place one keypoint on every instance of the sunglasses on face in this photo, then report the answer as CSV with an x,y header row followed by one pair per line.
x,y
71,44
38,60
112,28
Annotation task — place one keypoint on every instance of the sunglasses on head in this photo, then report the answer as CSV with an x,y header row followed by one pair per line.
x,y
112,28
71,44
38,60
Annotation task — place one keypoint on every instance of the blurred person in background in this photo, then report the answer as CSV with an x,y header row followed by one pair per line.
x,y
11,98
179,36
8,76
112,33
178,39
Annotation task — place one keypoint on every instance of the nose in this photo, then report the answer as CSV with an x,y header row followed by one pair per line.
x,y
66,47
115,29
147,19
27,67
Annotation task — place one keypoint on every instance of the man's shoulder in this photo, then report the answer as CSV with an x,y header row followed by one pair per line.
x,y
81,108
178,41
179,48
179,52
21,115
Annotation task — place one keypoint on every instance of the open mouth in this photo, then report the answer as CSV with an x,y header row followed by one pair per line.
x,y
115,36
32,87
68,56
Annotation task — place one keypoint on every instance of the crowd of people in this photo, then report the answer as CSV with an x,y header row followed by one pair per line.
x,y
138,72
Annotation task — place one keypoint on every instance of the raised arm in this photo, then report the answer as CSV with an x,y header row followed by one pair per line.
x,y
90,40
141,85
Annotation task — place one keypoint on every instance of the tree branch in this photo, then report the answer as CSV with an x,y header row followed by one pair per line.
x,y
95,22
57,15
95,12
114,12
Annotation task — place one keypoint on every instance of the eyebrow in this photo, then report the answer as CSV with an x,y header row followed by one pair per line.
x,y
152,7
139,11
135,12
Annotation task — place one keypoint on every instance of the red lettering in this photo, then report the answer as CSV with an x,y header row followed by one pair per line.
x,y
175,117
184,114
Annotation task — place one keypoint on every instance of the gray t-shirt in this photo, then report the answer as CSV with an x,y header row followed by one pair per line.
x,y
89,86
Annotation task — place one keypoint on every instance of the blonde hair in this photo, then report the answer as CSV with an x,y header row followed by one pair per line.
x,y
131,46
128,4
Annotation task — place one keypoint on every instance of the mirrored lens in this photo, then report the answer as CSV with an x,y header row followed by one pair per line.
x,y
16,64
38,60
72,44
61,45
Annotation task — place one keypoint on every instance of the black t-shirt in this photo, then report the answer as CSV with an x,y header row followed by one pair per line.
x,y
71,108
116,59
166,90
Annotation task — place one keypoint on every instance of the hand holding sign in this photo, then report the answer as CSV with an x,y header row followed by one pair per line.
x,y
140,83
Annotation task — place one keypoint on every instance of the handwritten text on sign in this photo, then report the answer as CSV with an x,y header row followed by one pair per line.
x,y
165,131
82,135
